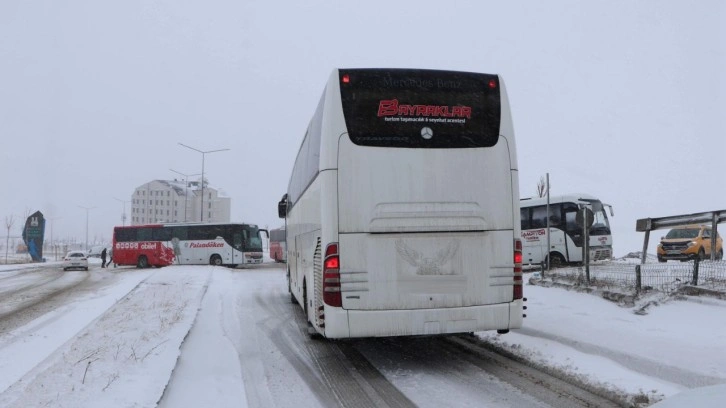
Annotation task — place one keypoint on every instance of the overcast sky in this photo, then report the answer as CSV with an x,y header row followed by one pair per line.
x,y
624,100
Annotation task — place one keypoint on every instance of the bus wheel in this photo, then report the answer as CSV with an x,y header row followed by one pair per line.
x,y
312,333
142,262
215,260
305,301
289,289
556,260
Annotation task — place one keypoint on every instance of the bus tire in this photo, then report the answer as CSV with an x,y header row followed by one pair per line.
x,y
312,333
215,260
289,288
555,260
305,301
142,262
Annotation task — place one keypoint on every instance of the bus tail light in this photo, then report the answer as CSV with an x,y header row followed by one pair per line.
x,y
331,276
518,292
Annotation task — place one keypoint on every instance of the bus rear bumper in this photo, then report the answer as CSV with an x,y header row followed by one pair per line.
x,y
341,323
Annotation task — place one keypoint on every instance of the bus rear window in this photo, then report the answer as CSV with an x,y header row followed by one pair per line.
x,y
420,108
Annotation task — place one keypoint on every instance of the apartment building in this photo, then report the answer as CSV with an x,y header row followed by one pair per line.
x,y
161,201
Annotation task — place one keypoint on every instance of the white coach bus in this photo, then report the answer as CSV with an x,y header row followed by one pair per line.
x,y
402,208
566,236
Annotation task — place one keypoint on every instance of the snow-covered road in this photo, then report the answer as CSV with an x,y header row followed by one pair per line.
x,y
190,336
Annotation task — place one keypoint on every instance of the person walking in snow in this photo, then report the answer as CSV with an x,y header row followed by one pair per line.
x,y
103,258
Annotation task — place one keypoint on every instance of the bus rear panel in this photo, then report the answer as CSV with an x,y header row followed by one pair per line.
x,y
417,194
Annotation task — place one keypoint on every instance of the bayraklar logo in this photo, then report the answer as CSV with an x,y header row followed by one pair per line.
x,y
427,133
428,265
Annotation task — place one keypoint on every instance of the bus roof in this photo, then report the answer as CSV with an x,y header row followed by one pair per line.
x,y
185,224
565,198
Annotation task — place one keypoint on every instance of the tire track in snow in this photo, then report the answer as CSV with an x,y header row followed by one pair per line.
x,y
633,362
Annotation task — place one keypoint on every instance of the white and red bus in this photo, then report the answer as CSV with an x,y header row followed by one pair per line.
x,y
278,246
566,236
402,210
228,244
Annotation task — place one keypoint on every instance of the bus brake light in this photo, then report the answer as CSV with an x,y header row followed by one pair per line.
x,y
492,84
517,291
346,78
331,276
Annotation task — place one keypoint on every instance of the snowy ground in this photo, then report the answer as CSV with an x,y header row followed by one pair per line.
x,y
120,346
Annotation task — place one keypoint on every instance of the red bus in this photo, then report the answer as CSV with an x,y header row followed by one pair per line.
x,y
228,244
278,246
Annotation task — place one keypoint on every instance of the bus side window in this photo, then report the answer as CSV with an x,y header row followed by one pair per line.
x,y
524,216
161,234
126,235
144,234
556,216
570,223
571,227
539,217
180,232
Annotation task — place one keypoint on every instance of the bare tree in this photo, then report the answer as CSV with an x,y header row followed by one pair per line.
x,y
542,187
9,221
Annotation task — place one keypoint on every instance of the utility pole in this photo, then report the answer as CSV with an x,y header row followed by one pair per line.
x,y
186,189
123,213
201,216
9,221
87,210
52,244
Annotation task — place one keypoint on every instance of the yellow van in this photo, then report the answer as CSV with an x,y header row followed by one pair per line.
x,y
688,242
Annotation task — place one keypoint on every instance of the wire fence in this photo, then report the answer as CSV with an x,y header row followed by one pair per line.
x,y
636,278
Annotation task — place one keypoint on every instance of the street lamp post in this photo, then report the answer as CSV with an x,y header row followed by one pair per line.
x,y
186,187
201,215
123,214
52,244
87,210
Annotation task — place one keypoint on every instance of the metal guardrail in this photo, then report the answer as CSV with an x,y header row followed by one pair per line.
x,y
636,278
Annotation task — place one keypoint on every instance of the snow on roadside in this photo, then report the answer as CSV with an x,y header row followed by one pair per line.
x,y
647,357
125,357
24,348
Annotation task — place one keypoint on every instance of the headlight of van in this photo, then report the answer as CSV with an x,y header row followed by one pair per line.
x,y
692,243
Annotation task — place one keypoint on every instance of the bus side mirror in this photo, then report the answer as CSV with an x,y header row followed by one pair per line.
x,y
282,207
